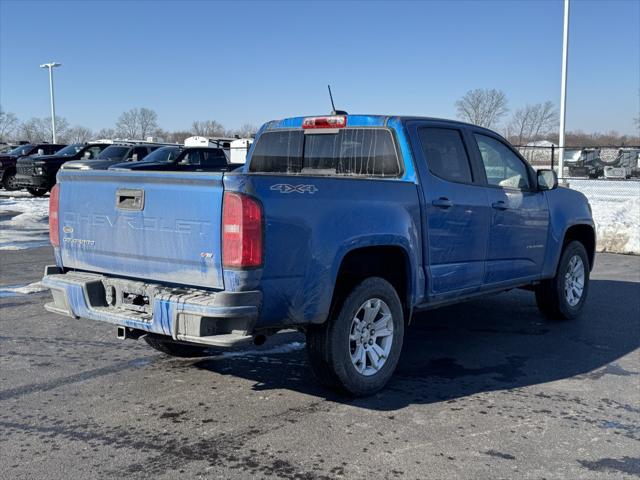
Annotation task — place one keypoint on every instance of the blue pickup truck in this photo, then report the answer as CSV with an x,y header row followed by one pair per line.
x,y
340,226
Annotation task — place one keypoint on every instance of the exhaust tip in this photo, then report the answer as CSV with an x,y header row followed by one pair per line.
x,y
259,340
121,332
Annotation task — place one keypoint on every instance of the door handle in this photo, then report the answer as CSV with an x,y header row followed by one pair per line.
x,y
129,199
442,202
499,205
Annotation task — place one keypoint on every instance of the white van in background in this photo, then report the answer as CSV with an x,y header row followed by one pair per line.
x,y
235,149
239,149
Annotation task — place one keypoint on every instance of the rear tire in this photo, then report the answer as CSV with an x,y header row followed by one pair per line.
x,y
563,296
174,349
346,353
37,192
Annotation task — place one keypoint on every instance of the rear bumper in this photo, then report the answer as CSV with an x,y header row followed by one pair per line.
x,y
190,315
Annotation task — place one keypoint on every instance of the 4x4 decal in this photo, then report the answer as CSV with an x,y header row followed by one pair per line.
x,y
287,188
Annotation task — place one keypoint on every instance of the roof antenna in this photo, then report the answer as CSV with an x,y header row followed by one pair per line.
x,y
334,111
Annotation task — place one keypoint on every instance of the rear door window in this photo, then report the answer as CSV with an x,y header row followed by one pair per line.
x,y
351,152
445,154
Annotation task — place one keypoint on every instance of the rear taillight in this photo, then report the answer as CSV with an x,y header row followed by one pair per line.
x,y
333,121
241,231
54,201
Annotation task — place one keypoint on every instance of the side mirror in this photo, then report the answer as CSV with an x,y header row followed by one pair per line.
x,y
547,180
40,151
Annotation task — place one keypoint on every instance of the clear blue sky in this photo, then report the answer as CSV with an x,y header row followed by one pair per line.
x,y
254,61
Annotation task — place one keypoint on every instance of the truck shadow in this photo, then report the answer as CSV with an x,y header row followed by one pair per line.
x,y
495,343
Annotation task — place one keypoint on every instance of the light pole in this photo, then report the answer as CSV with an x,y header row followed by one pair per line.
x,y
563,86
51,66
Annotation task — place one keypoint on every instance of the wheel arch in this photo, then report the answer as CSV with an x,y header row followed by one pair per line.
x,y
584,234
389,261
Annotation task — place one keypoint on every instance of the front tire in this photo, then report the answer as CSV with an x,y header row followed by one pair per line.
x,y
37,192
563,296
357,350
9,181
174,349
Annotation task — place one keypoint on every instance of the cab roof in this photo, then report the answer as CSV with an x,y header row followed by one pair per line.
x,y
365,120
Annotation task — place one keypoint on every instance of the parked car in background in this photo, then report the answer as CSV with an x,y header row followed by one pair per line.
x,y
339,226
38,174
625,165
8,160
5,147
177,158
583,162
632,156
116,153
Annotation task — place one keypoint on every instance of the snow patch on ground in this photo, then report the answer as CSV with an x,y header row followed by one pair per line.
x,y
24,221
616,213
19,290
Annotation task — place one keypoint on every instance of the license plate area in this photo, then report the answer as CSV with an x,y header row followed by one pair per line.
x,y
130,296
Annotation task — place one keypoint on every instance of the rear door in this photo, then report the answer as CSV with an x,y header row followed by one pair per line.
x,y
154,226
519,213
456,212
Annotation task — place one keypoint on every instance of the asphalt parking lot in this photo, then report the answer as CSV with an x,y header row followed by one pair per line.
x,y
487,389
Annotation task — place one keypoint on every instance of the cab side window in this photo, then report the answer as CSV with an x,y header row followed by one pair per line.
x,y
140,152
445,154
502,166
213,158
93,152
191,157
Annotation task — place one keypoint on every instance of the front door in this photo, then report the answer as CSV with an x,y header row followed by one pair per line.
x,y
519,214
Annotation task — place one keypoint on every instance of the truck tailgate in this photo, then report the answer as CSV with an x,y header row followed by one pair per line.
x,y
157,226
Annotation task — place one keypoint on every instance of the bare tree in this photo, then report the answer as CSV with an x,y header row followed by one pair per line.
x,y
78,134
147,121
30,130
107,133
137,123
483,107
247,130
127,124
62,125
8,124
531,121
177,136
207,128
39,129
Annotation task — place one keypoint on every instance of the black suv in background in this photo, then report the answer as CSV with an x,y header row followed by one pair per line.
x,y
38,174
9,160
176,158
111,155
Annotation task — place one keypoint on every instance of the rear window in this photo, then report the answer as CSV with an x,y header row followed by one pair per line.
x,y
352,152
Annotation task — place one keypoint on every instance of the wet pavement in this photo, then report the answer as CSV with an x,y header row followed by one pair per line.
x,y
485,389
